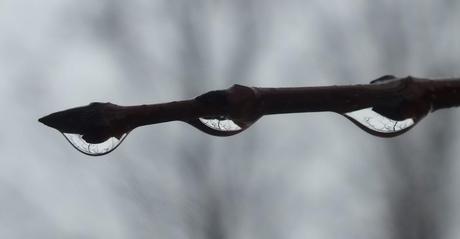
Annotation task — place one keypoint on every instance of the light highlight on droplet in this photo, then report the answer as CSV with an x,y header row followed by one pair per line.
x,y
77,141
379,125
221,124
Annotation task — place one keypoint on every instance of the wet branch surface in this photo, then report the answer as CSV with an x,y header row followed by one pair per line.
x,y
389,96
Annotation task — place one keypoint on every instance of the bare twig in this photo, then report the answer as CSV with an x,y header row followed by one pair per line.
x,y
391,97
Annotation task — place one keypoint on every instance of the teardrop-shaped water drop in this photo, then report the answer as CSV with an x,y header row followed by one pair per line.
x,y
220,126
379,125
94,149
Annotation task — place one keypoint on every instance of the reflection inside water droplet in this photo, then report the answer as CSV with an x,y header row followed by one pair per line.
x,y
79,143
221,124
379,125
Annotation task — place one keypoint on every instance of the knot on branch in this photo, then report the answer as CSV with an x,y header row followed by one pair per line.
x,y
96,122
238,102
408,101
245,103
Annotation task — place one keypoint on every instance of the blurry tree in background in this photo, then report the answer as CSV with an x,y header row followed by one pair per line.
x,y
417,186
212,218
302,176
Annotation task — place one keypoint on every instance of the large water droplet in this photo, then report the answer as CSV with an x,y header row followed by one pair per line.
x,y
379,125
94,149
220,126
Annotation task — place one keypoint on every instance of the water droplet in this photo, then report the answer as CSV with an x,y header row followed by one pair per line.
x,y
379,125
94,149
221,124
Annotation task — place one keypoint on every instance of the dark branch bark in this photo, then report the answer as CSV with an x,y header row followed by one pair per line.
x,y
395,98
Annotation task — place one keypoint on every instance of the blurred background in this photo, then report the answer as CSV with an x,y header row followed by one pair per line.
x,y
312,175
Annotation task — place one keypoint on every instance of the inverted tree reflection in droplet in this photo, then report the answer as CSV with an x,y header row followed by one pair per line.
x,y
221,124
94,149
379,125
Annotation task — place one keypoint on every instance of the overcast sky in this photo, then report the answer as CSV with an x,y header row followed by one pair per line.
x,y
288,176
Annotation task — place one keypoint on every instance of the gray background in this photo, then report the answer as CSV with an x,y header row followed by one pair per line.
x,y
312,175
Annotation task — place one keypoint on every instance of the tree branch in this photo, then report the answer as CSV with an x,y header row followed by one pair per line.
x,y
391,97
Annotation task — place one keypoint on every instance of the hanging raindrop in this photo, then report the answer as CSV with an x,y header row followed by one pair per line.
x,y
379,125
94,149
220,126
